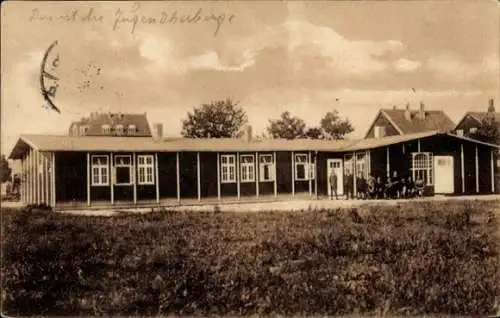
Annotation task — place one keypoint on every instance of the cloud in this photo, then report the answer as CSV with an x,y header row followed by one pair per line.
x,y
351,57
405,65
164,56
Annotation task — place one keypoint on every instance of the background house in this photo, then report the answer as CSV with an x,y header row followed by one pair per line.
x,y
111,124
471,121
391,122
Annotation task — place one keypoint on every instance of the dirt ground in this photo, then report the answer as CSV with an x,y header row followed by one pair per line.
x,y
295,205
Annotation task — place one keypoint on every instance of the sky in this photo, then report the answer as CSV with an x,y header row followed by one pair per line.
x,y
308,58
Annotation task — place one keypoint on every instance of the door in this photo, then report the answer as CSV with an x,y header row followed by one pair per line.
x,y
443,174
335,164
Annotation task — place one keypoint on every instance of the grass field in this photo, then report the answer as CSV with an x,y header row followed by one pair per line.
x,y
411,259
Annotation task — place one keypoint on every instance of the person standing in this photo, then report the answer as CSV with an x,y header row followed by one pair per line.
x,y
333,185
349,185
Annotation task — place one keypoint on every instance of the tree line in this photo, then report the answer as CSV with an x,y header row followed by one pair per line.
x,y
226,119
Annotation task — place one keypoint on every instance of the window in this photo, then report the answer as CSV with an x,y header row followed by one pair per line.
x,y
421,166
473,130
379,131
100,171
363,164
83,130
145,169
119,129
131,129
266,168
247,168
460,132
301,167
123,170
348,164
106,129
228,169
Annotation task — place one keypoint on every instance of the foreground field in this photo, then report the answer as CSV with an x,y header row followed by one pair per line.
x,y
414,258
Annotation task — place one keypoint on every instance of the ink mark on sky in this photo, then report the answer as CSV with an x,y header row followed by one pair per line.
x,y
131,19
49,93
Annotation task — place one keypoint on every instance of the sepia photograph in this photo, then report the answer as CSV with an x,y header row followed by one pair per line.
x,y
250,158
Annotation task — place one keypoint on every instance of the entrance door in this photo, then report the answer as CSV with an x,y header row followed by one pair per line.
x,y
335,164
443,176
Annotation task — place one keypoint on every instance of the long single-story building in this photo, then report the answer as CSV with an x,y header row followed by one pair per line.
x,y
102,171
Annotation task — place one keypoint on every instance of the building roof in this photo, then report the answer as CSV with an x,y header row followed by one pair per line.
x,y
148,144
95,121
435,120
479,116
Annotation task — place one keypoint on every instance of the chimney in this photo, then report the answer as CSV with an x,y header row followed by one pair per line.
x,y
491,106
248,133
421,113
158,131
407,112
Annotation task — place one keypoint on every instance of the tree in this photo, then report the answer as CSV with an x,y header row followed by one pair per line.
x,y
489,131
334,127
287,127
219,119
314,133
5,170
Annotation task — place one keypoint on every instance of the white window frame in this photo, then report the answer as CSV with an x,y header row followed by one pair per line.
x,y
348,164
426,165
119,129
100,168
460,132
264,162
472,130
363,163
226,168
131,129
304,163
247,169
106,129
117,164
145,170
378,131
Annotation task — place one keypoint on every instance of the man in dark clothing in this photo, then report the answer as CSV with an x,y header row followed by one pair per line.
x,y
349,185
333,185
370,187
396,185
410,188
361,184
379,188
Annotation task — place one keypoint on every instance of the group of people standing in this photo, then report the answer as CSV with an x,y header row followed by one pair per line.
x,y
375,188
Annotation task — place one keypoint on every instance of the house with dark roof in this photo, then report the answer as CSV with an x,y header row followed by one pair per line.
x,y
68,172
472,121
111,124
391,122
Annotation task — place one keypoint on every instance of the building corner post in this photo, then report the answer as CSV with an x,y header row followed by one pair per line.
x,y
462,167
275,175
157,178
310,173
134,179
477,170
88,179
257,174
53,177
178,176
218,176
492,171
112,178
198,176
238,174
293,174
